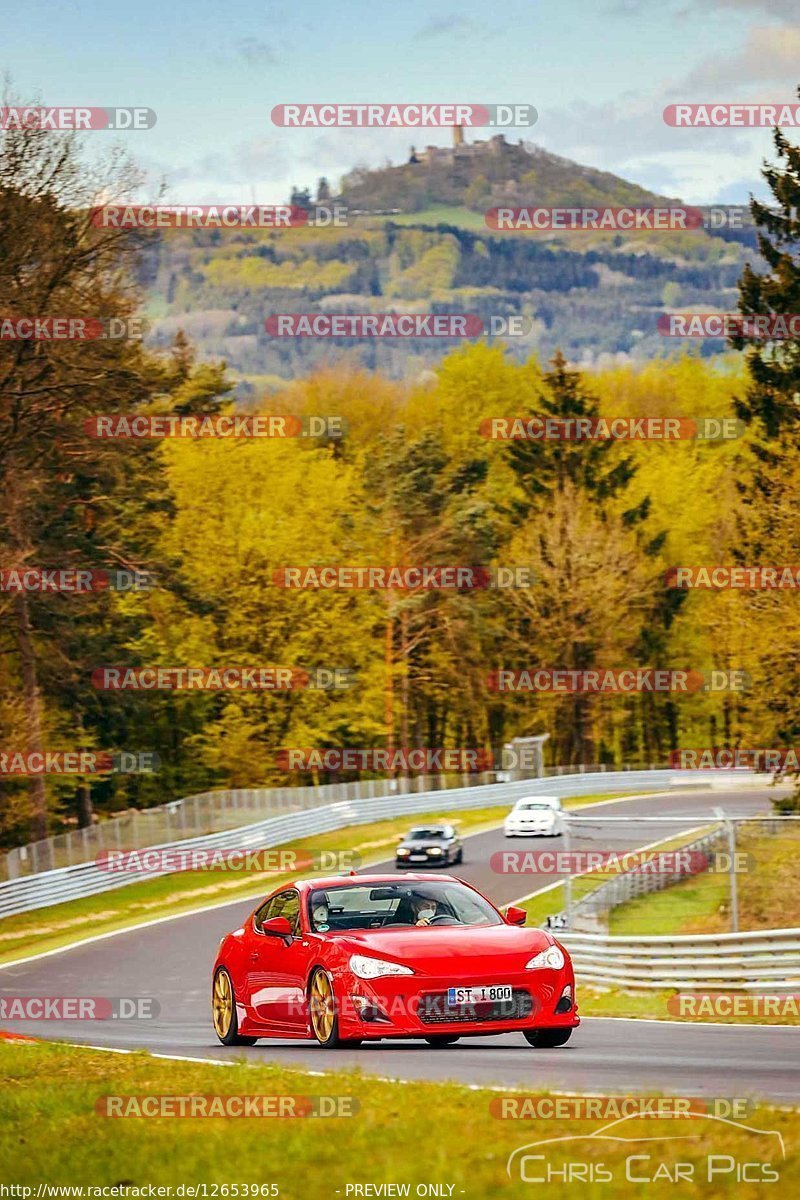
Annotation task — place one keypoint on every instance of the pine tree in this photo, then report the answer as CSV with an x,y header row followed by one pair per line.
x,y
773,397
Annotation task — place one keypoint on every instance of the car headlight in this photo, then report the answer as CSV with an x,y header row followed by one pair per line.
x,y
373,968
552,958
435,850
402,852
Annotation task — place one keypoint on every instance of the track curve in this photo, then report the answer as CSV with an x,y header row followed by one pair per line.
x,y
171,961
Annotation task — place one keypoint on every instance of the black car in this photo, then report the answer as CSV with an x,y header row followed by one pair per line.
x,y
430,845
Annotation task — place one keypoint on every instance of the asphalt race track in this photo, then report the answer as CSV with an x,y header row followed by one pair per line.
x,y
171,961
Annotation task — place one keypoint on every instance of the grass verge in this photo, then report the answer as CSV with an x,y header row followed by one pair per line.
x,y
543,904
767,891
615,1002
412,1134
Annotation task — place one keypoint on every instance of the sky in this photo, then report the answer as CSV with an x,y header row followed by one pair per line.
x,y
599,73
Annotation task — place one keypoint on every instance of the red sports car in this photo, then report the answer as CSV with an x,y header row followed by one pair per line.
x,y
370,956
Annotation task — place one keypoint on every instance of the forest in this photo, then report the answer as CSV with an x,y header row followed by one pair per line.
x,y
404,475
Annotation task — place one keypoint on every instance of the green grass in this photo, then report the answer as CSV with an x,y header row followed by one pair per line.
x,y
442,214
672,911
539,907
402,1133
61,924
615,1002
768,894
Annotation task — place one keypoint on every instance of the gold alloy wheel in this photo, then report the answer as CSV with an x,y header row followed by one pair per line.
x,y
322,1006
222,1004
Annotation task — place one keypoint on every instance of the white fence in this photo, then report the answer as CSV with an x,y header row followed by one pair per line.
x,y
766,961
88,879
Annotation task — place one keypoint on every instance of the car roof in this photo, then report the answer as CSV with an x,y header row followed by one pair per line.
x,y
534,799
339,880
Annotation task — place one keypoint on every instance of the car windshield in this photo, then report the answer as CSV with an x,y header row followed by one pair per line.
x,y
422,835
397,905
528,806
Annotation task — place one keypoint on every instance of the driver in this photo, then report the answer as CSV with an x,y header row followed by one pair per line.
x,y
424,910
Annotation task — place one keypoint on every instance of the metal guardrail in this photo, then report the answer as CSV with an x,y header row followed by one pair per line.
x,y
87,879
215,811
766,961
197,816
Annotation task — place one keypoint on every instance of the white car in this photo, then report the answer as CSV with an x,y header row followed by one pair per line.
x,y
535,816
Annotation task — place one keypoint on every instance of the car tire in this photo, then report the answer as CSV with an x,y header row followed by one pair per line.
x,y
460,858
223,1011
323,1013
547,1039
440,1040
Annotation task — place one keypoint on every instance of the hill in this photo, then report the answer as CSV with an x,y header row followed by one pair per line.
x,y
482,174
416,240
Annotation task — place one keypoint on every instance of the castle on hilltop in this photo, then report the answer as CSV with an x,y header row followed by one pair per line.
x,y
377,192
460,150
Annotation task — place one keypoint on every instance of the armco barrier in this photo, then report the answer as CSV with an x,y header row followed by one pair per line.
x,y
215,811
766,961
87,879
198,816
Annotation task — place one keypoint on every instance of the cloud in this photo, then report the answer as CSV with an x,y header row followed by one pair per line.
x,y
626,135
255,52
770,55
626,8
629,137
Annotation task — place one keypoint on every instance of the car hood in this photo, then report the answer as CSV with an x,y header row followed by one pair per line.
x,y
423,844
430,944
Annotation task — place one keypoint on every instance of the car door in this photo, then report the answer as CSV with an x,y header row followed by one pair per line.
x,y
277,972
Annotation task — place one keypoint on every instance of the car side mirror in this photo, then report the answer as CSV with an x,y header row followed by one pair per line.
x,y
278,927
516,916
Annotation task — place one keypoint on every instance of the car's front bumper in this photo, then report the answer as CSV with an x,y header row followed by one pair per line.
x,y
421,860
416,1006
529,830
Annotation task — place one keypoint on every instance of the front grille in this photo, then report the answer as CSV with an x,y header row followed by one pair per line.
x,y
434,1009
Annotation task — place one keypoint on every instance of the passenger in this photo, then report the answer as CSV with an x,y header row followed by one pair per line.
x,y
319,911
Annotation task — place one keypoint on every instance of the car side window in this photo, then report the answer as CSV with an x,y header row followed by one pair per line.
x,y
287,904
264,913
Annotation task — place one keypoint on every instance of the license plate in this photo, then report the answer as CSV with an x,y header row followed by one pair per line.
x,y
417,857
477,995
